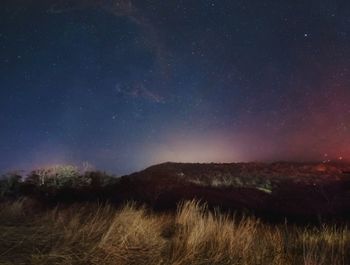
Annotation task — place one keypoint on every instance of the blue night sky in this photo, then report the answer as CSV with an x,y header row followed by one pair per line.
x,y
123,84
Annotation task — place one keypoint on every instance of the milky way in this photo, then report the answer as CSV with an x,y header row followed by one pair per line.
x,y
125,84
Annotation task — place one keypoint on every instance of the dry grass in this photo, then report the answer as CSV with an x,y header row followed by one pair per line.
x,y
100,234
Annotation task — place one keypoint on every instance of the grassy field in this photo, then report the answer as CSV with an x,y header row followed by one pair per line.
x,y
102,234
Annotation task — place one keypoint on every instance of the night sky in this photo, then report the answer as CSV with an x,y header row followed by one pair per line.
x,y
124,84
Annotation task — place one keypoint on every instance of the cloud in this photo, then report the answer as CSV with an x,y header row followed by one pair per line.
x,y
118,7
139,91
121,8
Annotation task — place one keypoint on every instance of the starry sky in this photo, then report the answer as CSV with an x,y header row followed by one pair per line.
x,y
124,84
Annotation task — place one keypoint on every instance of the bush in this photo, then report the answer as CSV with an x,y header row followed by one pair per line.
x,y
10,185
68,184
68,176
56,176
99,179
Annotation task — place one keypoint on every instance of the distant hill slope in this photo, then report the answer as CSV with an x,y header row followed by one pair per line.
x,y
256,175
281,188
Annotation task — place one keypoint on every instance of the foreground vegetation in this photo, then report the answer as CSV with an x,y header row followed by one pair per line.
x,y
101,234
64,215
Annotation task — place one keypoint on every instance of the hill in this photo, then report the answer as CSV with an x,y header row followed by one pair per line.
x,y
300,190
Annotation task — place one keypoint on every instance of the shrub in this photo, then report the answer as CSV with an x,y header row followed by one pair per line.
x,y
58,177
10,185
99,179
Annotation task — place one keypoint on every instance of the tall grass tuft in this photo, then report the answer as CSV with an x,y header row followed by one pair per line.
x,y
100,234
